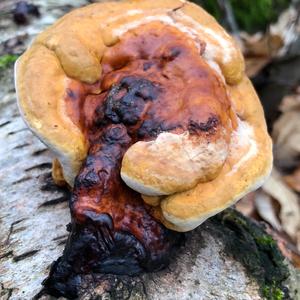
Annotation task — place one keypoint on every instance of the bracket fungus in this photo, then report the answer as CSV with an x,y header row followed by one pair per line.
x,y
154,125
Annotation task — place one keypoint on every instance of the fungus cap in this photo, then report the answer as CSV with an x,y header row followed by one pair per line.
x,y
185,180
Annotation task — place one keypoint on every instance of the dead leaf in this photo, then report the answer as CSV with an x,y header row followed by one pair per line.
x,y
286,138
290,102
293,180
261,45
276,41
266,210
290,210
287,28
255,64
260,48
246,204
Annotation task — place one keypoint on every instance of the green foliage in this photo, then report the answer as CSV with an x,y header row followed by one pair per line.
x,y
6,60
251,15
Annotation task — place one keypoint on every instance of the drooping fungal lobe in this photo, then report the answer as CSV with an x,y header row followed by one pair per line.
x,y
154,83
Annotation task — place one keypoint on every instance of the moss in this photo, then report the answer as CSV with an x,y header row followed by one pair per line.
x,y
7,60
273,292
265,240
249,244
251,15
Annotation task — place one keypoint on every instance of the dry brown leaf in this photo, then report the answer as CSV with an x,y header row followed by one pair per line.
x,y
246,204
290,102
276,41
290,210
259,48
266,210
293,180
255,64
298,241
286,138
287,28
261,45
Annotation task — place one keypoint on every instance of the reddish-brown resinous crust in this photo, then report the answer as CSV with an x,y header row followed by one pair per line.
x,y
190,92
152,82
183,94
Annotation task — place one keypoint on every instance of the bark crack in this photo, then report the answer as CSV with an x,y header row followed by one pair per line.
x,y
11,230
25,255
55,201
46,165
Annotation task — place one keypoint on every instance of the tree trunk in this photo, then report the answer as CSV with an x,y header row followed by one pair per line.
x,y
228,257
